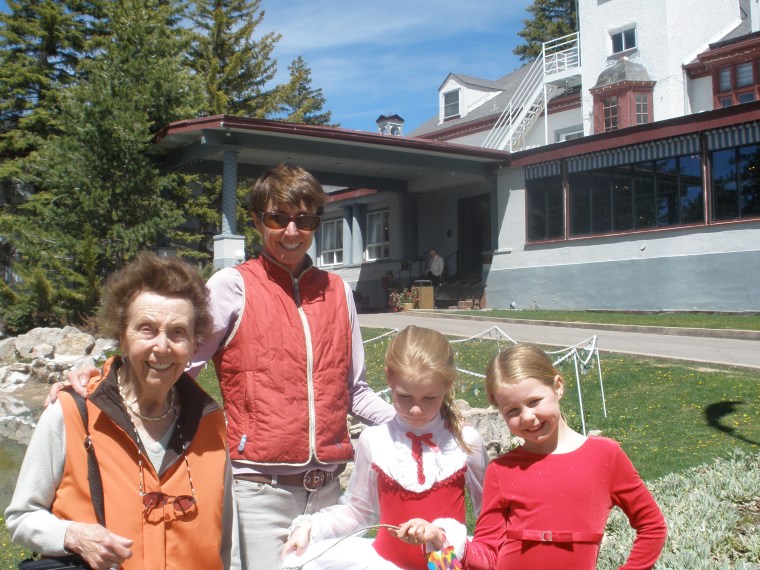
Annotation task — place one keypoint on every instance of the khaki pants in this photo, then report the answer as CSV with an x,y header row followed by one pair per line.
x,y
265,513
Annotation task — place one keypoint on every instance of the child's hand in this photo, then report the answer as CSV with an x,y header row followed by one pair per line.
x,y
298,540
419,531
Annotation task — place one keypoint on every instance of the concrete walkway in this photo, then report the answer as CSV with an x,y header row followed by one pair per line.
x,y
741,349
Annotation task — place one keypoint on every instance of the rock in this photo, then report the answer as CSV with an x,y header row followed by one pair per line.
x,y
75,343
42,351
8,349
26,343
103,347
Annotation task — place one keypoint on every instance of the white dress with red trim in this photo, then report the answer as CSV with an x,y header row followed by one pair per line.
x,y
399,473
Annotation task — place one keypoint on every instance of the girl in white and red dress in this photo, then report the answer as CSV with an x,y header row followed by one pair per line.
x,y
416,465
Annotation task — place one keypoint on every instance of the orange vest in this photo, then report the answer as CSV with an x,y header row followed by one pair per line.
x,y
284,370
163,538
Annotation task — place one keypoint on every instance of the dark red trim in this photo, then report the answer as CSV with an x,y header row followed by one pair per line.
x,y
349,194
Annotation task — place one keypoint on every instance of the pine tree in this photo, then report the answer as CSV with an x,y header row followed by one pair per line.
x,y
41,43
300,103
551,19
98,183
236,68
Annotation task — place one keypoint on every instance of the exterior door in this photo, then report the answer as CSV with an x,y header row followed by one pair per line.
x,y
474,235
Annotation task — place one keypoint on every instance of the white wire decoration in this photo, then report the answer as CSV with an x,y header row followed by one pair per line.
x,y
583,355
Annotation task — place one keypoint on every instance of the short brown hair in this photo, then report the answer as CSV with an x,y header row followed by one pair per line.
x,y
149,273
287,185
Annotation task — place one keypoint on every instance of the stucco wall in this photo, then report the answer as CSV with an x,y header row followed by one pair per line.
x,y
702,268
668,34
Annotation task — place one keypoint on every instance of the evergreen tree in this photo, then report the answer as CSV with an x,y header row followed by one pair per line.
x,y
551,19
41,43
300,103
236,68
99,187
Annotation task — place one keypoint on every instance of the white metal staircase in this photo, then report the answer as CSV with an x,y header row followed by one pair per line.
x,y
559,60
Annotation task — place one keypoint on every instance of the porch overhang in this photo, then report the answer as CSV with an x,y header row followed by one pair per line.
x,y
337,157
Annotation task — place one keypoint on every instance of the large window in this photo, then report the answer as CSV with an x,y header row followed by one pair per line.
x,y
736,182
451,104
332,242
638,196
622,41
378,236
610,108
737,83
642,108
545,209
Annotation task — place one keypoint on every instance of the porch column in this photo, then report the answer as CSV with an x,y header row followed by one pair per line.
x,y
357,233
229,248
347,239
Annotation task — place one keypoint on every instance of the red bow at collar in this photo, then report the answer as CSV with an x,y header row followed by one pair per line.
x,y
417,441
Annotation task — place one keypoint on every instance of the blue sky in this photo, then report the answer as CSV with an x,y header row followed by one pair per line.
x,y
375,57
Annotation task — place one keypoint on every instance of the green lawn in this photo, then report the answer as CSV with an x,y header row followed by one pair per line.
x,y
747,321
669,416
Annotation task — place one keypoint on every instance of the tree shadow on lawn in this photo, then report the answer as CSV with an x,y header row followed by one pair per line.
x,y
715,412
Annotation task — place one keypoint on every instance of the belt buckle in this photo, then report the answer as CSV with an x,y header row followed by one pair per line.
x,y
546,536
313,479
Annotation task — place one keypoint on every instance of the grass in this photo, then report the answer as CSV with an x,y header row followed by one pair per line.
x,y
750,322
672,418
668,415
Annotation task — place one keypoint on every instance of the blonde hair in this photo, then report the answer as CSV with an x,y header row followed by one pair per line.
x,y
517,363
417,351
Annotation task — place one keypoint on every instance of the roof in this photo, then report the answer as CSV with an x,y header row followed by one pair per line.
x,y
337,157
623,70
507,85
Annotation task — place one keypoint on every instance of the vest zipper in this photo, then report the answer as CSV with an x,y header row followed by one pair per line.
x,y
309,367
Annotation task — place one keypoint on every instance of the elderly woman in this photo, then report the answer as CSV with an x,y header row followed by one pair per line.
x,y
159,440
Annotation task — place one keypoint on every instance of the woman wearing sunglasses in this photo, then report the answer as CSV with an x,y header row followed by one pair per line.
x,y
159,440
289,358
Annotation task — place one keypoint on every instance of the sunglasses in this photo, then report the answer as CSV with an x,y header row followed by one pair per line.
x,y
280,221
157,500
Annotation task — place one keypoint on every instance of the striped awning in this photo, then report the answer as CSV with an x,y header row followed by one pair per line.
x,y
736,135
654,150
543,169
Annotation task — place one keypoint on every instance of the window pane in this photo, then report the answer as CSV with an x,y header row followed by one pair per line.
x,y
629,38
378,236
692,205
642,108
746,97
617,43
744,74
725,201
749,179
601,204
580,204
643,192
451,104
610,114
724,79
622,198
725,102
668,207
545,210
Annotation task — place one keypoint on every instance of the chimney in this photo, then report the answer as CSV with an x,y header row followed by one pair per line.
x,y
390,125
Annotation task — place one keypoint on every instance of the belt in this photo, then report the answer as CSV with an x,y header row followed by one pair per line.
x,y
311,480
554,536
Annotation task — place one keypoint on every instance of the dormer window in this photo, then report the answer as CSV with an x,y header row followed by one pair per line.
x,y
451,104
623,40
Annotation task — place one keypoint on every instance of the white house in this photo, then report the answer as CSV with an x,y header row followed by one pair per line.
x,y
632,180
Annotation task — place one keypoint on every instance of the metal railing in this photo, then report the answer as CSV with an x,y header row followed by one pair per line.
x,y
529,100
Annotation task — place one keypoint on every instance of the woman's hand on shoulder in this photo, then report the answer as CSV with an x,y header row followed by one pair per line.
x,y
297,541
100,548
77,378
420,531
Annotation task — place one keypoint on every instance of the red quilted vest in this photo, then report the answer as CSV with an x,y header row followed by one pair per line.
x,y
284,369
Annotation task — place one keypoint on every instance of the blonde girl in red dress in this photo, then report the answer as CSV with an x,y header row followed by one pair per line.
x,y
416,465
546,503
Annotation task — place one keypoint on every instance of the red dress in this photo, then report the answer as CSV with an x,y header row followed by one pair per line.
x,y
549,511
